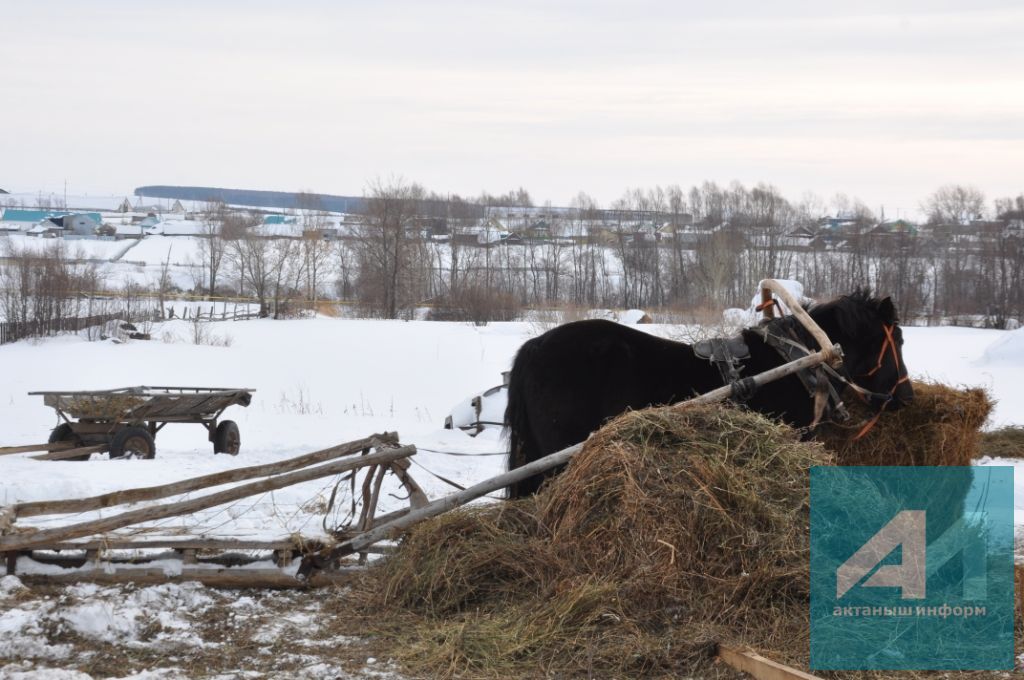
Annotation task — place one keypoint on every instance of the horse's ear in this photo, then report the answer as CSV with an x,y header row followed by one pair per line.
x,y
887,310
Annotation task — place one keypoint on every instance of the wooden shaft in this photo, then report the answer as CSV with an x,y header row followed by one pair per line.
x,y
400,524
452,501
759,667
33,508
214,578
797,310
175,544
72,453
771,375
91,527
767,308
54,446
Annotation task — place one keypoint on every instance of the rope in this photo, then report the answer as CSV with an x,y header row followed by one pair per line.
x,y
446,480
434,474
458,453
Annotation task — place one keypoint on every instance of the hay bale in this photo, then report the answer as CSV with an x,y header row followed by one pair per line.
x,y
940,427
1006,442
668,533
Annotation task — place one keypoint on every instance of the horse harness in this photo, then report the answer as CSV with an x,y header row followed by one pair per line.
x,y
780,335
727,355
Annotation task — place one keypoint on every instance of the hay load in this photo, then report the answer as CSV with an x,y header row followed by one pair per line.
x,y
940,427
669,532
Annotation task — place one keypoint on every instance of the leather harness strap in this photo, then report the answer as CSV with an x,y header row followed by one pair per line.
x,y
781,336
820,382
726,354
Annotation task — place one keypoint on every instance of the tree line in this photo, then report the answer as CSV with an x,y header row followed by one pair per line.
x,y
487,258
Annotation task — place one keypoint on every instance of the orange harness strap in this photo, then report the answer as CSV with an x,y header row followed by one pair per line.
x,y
889,344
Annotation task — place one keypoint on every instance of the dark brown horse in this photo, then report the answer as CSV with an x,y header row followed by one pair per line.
x,y
567,382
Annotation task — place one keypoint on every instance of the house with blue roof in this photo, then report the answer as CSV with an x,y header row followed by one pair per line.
x,y
20,219
49,222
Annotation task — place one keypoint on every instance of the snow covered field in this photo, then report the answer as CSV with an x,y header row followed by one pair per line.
x,y
319,382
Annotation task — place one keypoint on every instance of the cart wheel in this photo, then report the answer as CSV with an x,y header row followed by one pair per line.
x,y
64,433
132,442
227,439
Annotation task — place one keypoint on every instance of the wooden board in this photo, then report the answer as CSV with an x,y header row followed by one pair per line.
x,y
72,453
214,578
759,667
29,448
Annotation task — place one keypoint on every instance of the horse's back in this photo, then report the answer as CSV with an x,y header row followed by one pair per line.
x,y
567,382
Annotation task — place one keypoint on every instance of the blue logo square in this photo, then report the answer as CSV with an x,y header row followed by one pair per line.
x,y
912,568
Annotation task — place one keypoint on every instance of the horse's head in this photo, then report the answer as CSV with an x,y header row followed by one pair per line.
x,y
872,342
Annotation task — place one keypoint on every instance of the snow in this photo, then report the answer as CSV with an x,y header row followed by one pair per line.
x,y
794,288
323,381
1007,349
318,382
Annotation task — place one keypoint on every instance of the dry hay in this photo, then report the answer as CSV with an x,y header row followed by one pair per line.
x,y
1006,442
668,533
940,427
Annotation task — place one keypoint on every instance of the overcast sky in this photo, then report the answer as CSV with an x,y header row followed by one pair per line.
x,y
885,101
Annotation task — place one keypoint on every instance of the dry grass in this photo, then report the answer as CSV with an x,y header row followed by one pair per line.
x,y
1007,442
668,533
940,427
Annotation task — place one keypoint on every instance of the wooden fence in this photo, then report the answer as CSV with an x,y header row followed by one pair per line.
x,y
12,331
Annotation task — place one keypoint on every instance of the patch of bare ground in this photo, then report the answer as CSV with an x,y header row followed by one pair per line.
x,y
113,632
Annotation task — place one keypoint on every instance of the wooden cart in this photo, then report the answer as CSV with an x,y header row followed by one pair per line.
x,y
125,421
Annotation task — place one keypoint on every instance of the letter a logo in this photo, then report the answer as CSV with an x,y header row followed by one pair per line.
x,y
906,530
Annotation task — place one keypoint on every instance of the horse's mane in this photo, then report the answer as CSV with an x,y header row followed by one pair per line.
x,y
857,309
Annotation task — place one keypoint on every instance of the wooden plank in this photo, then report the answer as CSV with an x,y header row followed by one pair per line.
x,y
214,578
34,508
759,667
72,453
172,544
29,448
88,528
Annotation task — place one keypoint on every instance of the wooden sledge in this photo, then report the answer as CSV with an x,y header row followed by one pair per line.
x,y
202,558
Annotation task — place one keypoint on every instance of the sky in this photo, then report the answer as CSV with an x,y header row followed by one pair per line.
x,y
884,101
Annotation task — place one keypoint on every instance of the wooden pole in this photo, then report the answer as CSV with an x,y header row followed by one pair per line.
x,y
450,502
771,375
760,667
45,537
214,578
33,508
55,446
72,453
769,286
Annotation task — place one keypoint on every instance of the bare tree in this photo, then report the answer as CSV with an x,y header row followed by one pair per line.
x,y
211,245
390,255
249,254
954,204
